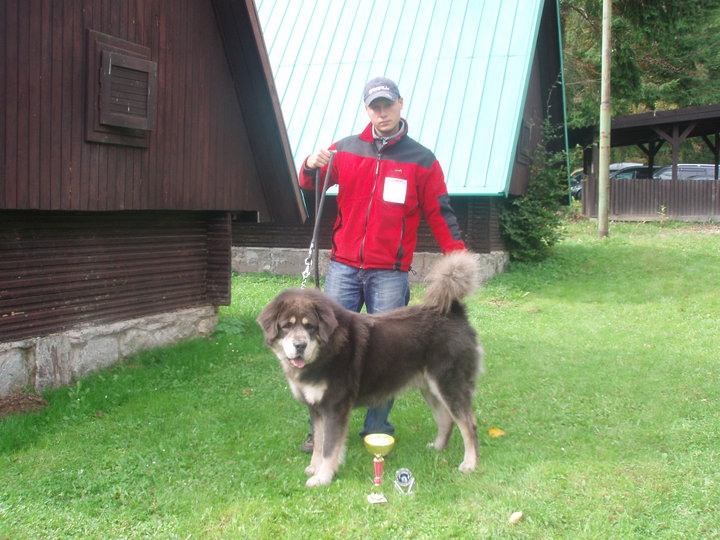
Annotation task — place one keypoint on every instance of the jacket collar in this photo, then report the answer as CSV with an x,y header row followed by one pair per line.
x,y
367,134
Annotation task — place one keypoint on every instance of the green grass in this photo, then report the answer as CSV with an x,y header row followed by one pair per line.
x,y
602,367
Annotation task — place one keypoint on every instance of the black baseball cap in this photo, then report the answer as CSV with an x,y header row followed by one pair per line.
x,y
380,87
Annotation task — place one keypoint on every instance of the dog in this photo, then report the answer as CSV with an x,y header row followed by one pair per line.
x,y
335,359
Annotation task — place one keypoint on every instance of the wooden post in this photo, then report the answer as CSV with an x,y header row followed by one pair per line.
x,y
605,123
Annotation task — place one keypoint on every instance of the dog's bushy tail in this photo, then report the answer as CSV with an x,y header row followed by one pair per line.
x,y
454,277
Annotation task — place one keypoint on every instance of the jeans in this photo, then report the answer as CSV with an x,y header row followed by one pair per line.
x,y
379,290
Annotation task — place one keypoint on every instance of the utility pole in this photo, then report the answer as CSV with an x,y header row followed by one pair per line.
x,y
605,125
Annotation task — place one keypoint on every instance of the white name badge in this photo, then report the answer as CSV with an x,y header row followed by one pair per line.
x,y
394,190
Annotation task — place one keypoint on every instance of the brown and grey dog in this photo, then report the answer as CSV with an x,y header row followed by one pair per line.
x,y
335,359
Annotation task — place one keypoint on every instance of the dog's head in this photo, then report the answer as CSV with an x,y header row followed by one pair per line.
x,y
297,323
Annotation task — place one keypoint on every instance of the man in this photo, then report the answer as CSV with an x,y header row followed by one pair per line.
x,y
385,180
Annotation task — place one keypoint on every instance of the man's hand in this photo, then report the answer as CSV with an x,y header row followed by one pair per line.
x,y
319,159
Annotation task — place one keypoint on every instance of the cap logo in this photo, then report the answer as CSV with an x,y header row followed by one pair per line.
x,y
380,87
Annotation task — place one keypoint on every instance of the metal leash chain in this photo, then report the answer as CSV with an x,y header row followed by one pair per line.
x,y
312,252
308,265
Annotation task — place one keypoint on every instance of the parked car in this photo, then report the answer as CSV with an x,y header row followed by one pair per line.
x,y
576,181
617,170
636,171
688,171
617,166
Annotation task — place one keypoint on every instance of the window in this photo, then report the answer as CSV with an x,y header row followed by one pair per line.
x,y
524,150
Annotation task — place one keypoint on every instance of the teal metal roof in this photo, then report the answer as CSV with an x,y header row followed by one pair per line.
x,y
462,66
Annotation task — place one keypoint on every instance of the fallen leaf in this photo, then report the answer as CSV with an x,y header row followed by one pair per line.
x,y
515,517
496,432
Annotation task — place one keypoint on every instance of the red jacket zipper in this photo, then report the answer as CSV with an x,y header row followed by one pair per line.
x,y
367,214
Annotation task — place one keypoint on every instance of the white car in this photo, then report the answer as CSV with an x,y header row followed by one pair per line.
x,y
688,171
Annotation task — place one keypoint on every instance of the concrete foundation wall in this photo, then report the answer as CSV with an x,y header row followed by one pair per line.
x,y
41,363
292,262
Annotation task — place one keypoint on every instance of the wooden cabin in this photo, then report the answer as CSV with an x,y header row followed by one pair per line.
x,y
132,131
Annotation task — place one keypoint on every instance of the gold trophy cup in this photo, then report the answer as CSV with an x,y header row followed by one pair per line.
x,y
379,445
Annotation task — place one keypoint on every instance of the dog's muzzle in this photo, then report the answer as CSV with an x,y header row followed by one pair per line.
x,y
299,360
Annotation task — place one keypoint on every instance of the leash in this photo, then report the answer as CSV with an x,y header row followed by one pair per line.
x,y
312,256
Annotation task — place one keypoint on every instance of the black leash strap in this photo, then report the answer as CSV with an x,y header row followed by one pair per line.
x,y
313,252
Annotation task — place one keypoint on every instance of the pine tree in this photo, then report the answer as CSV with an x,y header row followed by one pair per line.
x,y
666,54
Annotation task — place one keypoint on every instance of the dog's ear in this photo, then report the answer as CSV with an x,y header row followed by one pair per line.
x,y
327,321
268,321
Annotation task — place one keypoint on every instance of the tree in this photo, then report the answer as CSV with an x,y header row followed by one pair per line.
x,y
666,54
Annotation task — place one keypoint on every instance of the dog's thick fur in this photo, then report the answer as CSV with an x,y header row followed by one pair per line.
x,y
335,359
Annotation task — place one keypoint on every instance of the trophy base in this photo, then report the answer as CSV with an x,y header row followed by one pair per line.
x,y
376,498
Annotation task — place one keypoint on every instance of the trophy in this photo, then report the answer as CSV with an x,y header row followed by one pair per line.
x,y
379,445
404,481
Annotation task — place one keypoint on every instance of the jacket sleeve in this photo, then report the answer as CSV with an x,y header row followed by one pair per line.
x,y
306,176
435,204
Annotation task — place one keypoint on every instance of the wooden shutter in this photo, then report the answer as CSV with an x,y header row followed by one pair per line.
x,y
128,88
121,91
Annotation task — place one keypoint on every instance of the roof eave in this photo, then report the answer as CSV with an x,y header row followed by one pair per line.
x,y
257,96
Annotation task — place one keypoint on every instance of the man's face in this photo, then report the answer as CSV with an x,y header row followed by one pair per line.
x,y
385,115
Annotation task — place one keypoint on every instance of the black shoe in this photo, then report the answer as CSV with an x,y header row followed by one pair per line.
x,y
307,446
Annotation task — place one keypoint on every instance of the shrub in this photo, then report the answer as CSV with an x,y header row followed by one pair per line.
x,y
532,223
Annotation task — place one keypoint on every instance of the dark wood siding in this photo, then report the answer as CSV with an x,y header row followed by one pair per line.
x,y
544,99
478,218
219,259
199,155
58,269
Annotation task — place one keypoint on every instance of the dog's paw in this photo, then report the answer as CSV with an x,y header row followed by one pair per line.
x,y
466,467
318,480
436,446
310,470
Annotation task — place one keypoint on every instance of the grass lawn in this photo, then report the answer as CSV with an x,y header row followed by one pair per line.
x,y
602,369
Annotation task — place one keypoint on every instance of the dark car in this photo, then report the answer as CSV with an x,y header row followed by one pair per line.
x,y
575,182
688,171
636,171
617,170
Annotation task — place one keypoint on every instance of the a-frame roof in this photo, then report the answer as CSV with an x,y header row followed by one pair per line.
x,y
463,68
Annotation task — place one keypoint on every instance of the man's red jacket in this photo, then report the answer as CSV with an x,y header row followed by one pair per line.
x,y
380,199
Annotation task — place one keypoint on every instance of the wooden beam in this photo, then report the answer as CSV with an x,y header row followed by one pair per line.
x,y
715,149
675,140
651,151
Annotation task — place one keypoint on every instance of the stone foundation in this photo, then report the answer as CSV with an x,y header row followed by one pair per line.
x,y
292,262
41,363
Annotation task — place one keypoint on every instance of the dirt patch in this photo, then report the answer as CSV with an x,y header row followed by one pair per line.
x,y
695,228
698,228
21,403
